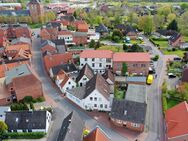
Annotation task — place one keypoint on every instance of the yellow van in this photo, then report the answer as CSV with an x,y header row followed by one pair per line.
x,y
149,79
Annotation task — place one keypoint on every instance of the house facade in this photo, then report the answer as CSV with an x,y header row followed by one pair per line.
x,y
175,40
67,36
137,63
98,60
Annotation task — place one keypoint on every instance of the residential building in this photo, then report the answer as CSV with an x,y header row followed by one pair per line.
x,y
72,128
175,40
49,33
21,40
137,63
130,32
57,59
97,134
98,60
85,74
176,122
67,36
60,45
14,82
93,36
102,29
67,68
81,26
48,46
110,79
64,82
94,96
28,121
36,10
128,114
80,38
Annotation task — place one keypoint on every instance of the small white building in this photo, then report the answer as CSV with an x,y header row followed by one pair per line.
x,y
85,74
28,121
92,35
94,96
67,36
64,82
98,60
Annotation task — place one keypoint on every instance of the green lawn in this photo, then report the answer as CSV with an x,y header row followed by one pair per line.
x,y
162,44
185,38
112,48
180,53
171,103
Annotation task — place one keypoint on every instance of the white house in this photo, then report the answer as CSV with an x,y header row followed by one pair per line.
x,y
28,121
85,74
94,96
92,35
98,60
67,36
64,82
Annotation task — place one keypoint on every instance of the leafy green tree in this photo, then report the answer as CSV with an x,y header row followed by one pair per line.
x,y
146,24
173,25
125,47
124,69
97,45
92,44
135,48
158,21
184,6
3,128
116,36
183,23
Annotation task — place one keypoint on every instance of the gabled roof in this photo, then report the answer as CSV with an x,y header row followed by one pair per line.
x,y
108,75
69,18
63,77
128,111
165,32
67,68
131,57
174,37
129,29
57,59
18,71
72,128
87,71
101,28
96,54
64,32
185,75
120,26
176,119
17,47
98,83
97,135
19,120
47,42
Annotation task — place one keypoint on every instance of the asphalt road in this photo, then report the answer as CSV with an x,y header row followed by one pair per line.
x,y
156,121
64,107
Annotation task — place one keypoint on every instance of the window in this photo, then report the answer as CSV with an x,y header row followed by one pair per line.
x,y
85,59
95,98
106,106
91,98
101,105
108,60
84,78
69,82
82,64
72,86
93,59
135,65
67,88
29,130
95,105
93,65
143,65
100,64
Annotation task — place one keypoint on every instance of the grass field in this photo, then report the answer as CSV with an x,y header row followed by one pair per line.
x,y
180,53
112,48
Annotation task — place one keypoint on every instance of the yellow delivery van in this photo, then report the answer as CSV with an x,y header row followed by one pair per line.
x,y
150,79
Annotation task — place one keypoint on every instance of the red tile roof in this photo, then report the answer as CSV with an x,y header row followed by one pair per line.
x,y
131,57
64,32
176,119
57,59
96,54
96,135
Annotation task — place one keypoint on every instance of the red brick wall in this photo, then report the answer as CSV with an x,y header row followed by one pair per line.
x,y
80,40
128,125
133,67
4,101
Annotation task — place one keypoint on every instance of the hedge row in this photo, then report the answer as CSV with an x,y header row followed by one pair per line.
x,y
25,135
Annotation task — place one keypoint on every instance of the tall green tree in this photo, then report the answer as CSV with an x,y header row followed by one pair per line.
x,y
92,44
146,24
124,69
173,25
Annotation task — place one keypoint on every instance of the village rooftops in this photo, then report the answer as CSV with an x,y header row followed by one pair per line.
x,y
72,128
18,71
128,111
136,93
131,57
96,54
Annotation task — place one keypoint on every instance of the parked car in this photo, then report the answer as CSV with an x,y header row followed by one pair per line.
x,y
171,75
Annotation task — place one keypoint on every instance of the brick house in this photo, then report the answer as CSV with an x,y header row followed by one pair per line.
x,y
128,114
3,37
14,82
137,63
81,26
176,122
175,40
48,46
49,33
80,38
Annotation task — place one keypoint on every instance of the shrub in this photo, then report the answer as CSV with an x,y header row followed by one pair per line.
x,y
25,135
28,99
155,58
164,104
40,99
18,107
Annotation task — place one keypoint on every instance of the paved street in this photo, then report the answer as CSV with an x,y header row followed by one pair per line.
x,y
64,106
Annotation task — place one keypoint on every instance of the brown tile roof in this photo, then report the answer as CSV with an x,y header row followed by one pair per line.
x,y
96,135
108,75
18,47
62,76
57,59
96,54
176,119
